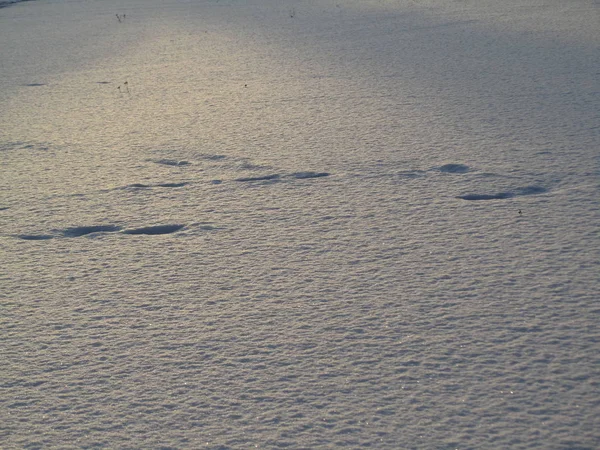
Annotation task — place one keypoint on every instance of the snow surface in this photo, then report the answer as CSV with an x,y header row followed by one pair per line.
x,y
300,224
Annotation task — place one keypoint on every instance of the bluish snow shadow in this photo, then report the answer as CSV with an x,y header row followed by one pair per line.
x,y
527,190
73,232
155,230
149,186
172,185
262,178
302,175
498,196
172,162
35,237
210,157
82,231
5,3
454,168
274,177
22,146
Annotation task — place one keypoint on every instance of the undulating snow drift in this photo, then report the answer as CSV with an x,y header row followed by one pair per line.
x,y
302,224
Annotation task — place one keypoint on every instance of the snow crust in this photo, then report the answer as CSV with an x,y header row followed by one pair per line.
x,y
300,224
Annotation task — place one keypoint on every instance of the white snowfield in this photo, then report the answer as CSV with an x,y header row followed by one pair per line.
x,y
305,224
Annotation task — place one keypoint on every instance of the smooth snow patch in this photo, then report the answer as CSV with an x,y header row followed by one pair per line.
x,y
411,173
531,190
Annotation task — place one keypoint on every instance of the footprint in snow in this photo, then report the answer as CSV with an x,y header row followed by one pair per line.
x,y
155,230
82,231
303,175
261,178
74,232
172,162
149,186
527,190
454,168
276,176
35,237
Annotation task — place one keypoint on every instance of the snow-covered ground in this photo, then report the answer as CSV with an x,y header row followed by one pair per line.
x,y
302,224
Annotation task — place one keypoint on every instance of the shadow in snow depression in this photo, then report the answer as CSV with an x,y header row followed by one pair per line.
x,y
528,190
171,162
276,176
75,232
35,237
158,229
454,168
157,185
82,231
